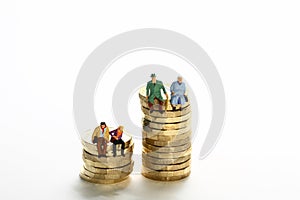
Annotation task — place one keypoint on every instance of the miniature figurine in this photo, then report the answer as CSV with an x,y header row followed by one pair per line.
x,y
153,91
116,138
178,93
101,137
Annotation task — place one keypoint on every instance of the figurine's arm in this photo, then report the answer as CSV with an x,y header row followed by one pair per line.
x,y
184,89
164,90
94,134
106,136
172,89
112,132
147,90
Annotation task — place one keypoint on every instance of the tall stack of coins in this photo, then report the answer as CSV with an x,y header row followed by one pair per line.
x,y
109,169
166,141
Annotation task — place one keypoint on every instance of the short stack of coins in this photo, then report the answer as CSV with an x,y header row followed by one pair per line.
x,y
166,141
108,169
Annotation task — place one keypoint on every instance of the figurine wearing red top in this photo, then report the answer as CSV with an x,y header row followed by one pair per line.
x,y
116,138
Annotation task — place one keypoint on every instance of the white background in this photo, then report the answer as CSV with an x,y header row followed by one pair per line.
x,y
254,44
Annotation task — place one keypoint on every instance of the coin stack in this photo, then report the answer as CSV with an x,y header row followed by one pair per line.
x,y
166,141
109,169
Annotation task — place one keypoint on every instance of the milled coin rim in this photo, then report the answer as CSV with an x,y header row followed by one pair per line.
x,y
165,161
167,149
104,176
166,132
167,155
180,172
167,143
166,179
166,138
109,152
167,113
166,126
111,163
101,181
144,103
91,146
170,167
170,120
116,170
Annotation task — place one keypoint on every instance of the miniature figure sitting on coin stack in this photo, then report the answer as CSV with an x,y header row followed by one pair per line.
x,y
107,160
153,93
166,135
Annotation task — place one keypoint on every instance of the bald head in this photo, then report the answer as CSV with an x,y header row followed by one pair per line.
x,y
179,79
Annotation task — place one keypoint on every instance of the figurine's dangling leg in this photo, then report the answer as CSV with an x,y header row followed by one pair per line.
x,y
173,107
122,148
161,106
179,102
99,147
150,106
104,147
114,149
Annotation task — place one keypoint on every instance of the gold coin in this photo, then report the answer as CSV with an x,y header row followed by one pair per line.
x,y
164,126
169,107
117,170
110,162
166,173
166,132
101,181
167,120
166,137
95,158
109,153
103,176
171,178
167,149
142,96
87,139
167,167
159,173
166,155
167,143
93,147
165,161
167,114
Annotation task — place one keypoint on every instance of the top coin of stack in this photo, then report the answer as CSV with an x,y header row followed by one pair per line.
x,y
107,169
166,141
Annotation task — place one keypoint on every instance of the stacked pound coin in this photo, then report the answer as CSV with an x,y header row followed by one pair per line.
x,y
108,169
166,141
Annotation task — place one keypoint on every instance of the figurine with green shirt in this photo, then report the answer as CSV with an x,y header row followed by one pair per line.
x,y
153,92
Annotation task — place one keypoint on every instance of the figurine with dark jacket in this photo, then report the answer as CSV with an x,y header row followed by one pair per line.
x,y
116,138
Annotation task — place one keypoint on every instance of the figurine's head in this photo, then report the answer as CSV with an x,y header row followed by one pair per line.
x,y
179,79
121,128
102,124
153,76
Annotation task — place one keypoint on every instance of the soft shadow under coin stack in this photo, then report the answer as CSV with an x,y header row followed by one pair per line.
x,y
109,169
166,141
